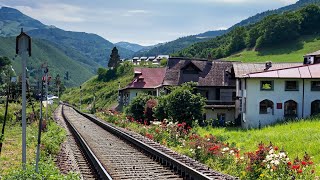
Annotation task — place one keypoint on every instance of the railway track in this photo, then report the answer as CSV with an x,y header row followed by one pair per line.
x,y
120,154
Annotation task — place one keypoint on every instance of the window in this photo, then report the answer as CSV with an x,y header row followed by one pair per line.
x,y
266,107
266,85
315,85
315,107
292,86
290,109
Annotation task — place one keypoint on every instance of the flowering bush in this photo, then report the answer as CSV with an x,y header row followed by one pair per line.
x,y
267,162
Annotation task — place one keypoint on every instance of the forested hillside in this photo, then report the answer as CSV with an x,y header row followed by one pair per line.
x,y
273,30
43,51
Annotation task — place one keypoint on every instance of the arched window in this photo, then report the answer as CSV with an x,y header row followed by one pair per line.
x,y
266,107
315,107
290,109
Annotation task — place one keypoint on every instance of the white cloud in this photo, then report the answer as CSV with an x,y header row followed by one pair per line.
x,y
54,12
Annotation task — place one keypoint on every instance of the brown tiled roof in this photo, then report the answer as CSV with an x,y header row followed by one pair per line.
x,y
150,78
212,73
242,69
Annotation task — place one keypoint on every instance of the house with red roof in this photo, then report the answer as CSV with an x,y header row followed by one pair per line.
x,y
272,92
146,80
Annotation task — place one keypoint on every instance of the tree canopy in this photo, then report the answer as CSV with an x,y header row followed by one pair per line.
x,y
114,60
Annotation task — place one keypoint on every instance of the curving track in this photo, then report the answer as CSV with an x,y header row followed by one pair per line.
x,y
139,159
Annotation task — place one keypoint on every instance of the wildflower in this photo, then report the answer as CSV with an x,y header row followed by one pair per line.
x,y
276,162
282,155
299,171
295,166
289,163
276,148
271,151
225,149
304,163
310,162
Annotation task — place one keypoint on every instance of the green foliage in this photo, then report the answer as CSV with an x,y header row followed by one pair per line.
x,y
4,61
163,62
47,170
137,106
275,29
160,109
183,105
114,58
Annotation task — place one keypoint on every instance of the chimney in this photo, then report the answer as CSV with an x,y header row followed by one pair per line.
x,y
268,65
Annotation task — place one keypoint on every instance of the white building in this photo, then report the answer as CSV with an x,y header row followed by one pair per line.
x,y
268,96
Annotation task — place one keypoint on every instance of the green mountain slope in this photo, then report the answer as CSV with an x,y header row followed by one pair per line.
x,y
12,20
281,29
44,51
184,42
91,46
178,44
290,52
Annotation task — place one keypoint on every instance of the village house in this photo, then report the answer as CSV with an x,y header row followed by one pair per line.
x,y
215,81
276,92
146,80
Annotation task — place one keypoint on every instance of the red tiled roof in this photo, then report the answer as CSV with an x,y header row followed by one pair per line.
x,y
305,71
147,78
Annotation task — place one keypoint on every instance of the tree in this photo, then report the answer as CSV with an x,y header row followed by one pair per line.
x,y
137,106
114,60
182,105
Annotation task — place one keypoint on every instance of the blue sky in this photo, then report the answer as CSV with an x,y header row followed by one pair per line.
x,y
145,22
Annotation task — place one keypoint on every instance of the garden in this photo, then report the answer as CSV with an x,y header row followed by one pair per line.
x,y
248,154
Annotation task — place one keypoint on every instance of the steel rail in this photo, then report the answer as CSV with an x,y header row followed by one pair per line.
x,y
184,170
93,160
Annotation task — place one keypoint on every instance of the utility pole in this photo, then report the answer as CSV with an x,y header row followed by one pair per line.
x,y
40,126
46,83
23,48
80,98
6,113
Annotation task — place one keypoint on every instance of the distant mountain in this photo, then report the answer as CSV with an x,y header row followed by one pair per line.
x,y
183,42
260,16
11,21
178,44
43,51
90,46
130,46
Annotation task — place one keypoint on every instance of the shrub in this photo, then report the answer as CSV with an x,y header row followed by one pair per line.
x,y
160,109
183,105
137,106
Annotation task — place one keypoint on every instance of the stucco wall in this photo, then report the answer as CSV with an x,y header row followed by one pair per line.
x,y
252,117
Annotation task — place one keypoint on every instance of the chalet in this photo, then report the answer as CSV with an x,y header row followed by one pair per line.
x,y
151,58
159,58
275,91
147,80
135,60
215,81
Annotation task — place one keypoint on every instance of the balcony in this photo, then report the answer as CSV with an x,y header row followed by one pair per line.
x,y
222,104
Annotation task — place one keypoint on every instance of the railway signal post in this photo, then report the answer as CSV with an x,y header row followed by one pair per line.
x,y
23,48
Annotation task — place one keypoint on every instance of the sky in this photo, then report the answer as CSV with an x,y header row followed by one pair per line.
x,y
145,22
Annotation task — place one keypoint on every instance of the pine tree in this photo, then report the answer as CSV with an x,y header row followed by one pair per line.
x,y
114,58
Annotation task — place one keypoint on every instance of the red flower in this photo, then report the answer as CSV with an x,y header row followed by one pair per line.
x,y
179,125
310,162
296,167
276,148
299,171
304,163
214,148
289,163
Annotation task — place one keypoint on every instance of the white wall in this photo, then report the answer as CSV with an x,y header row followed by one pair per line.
x,y
254,96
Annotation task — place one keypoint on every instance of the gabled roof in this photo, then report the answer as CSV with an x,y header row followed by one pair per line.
x,y
212,73
147,78
242,69
313,54
304,71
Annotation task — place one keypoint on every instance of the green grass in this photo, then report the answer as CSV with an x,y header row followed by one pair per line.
x,y
287,52
10,159
106,93
295,138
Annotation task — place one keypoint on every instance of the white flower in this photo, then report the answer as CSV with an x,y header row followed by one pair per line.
x,y
225,149
232,151
276,162
241,157
198,147
272,162
208,139
268,166
282,155
191,150
271,151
